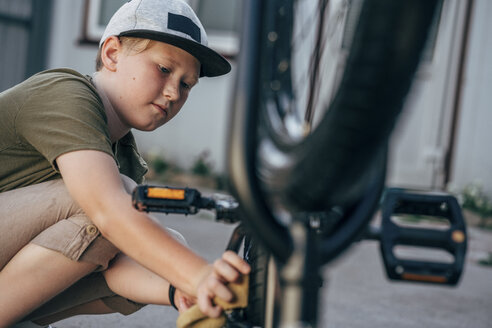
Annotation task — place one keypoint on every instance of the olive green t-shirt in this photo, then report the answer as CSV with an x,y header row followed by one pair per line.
x,y
49,114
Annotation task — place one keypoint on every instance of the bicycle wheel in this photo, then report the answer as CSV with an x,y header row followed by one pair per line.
x,y
320,86
263,288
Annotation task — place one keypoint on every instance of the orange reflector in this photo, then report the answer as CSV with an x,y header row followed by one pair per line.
x,y
458,236
422,277
166,193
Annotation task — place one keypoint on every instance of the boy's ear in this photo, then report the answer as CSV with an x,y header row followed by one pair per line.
x,y
109,53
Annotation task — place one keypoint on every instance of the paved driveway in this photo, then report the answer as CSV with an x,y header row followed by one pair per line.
x,y
357,294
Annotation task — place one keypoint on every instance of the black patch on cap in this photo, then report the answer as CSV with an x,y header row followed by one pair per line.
x,y
185,25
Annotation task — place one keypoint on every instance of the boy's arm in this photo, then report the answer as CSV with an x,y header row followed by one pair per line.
x,y
93,180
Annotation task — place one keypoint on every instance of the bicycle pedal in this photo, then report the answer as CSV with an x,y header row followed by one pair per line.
x,y
167,199
423,237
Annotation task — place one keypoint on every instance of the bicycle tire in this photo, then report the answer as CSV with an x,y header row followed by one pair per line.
x,y
377,76
263,281
335,164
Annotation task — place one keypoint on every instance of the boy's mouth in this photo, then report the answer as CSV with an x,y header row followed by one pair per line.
x,y
161,108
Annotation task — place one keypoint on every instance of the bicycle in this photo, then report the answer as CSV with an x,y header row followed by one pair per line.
x,y
308,182
263,295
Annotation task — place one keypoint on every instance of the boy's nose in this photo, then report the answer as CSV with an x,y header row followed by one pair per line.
x,y
171,91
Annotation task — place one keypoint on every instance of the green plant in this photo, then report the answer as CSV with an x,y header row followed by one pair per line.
x,y
202,165
159,165
486,261
474,199
160,168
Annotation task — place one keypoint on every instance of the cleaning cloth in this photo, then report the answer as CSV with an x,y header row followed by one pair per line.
x,y
194,318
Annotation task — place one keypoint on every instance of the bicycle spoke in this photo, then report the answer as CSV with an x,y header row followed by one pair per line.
x,y
311,73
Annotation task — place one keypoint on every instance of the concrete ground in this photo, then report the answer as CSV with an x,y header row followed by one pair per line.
x,y
356,293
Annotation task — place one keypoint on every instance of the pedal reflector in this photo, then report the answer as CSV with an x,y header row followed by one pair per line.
x,y
166,193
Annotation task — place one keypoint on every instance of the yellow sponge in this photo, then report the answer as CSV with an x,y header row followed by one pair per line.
x,y
194,318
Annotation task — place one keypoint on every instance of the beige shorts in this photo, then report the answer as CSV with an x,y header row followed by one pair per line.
x,y
44,214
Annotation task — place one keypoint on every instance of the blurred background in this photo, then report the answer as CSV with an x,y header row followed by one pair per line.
x,y
442,142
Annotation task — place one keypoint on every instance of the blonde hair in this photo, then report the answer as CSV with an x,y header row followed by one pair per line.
x,y
130,46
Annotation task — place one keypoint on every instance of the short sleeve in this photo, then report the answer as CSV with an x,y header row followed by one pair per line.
x,y
61,114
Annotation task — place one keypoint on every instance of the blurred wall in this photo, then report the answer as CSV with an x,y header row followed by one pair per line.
x,y
473,157
202,124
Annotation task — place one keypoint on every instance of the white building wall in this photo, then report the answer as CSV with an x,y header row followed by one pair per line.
x,y
473,156
66,30
422,137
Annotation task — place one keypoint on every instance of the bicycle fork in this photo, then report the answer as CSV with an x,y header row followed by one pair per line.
x,y
300,280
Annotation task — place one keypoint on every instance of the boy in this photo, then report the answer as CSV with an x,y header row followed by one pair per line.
x,y
70,238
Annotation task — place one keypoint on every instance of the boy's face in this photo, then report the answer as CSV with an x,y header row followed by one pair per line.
x,y
149,88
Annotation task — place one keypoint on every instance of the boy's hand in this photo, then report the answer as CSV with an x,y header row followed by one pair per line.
x,y
183,301
224,270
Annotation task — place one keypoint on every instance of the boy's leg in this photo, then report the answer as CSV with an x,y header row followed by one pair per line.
x,y
146,287
32,277
92,295
84,297
149,287
88,290
44,235
113,291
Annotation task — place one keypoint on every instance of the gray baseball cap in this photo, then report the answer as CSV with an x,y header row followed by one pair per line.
x,y
169,21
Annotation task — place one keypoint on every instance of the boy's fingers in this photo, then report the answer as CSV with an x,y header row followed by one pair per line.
x,y
217,288
236,261
225,270
206,306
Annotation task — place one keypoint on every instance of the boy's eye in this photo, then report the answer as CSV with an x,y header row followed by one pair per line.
x,y
163,69
185,85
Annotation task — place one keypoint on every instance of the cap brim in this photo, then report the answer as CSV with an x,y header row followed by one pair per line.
x,y
212,63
